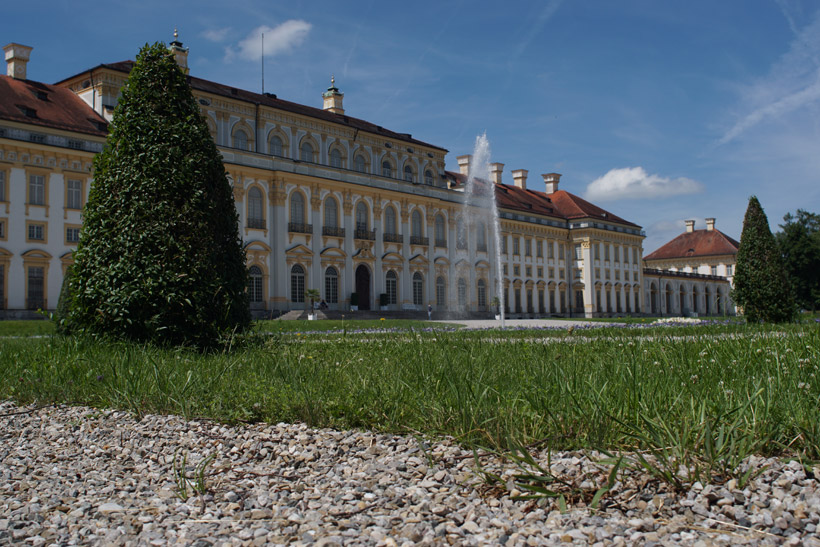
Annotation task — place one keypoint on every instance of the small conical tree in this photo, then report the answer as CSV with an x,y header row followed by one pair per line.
x,y
760,285
160,258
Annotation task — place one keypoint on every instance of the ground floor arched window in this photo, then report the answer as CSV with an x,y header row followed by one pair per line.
x,y
391,287
418,289
297,284
255,293
331,286
441,292
482,294
462,292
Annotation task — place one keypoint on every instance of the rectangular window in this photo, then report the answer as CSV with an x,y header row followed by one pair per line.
x,y
529,271
730,270
596,249
516,246
503,244
516,270
72,234
579,252
527,247
714,270
539,249
634,255
540,271
606,251
36,287
36,232
3,186
561,255
506,269
37,190
74,199
617,254
552,273
550,250
2,229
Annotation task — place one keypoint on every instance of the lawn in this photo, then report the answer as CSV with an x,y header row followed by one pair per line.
x,y
725,389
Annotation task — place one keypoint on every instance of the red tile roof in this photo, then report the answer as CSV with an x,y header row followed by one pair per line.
x,y
696,243
560,204
269,99
47,105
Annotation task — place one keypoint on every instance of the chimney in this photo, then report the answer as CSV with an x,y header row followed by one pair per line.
x,y
710,224
551,182
495,172
180,53
333,98
16,59
464,164
690,226
520,178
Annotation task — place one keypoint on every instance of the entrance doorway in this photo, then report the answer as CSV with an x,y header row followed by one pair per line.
x,y
363,286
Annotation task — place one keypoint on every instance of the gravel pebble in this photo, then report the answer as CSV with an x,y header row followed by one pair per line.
x,y
77,475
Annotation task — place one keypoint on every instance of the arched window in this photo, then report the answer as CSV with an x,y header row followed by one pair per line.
x,y
335,158
256,214
481,236
461,235
391,287
441,292
277,146
482,294
255,294
361,216
306,152
359,164
390,220
441,231
331,286
428,177
462,292
408,173
297,208
240,139
418,289
331,213
297,284
387,169
415,221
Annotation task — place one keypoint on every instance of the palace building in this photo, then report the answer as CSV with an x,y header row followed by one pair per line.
x,y
370,217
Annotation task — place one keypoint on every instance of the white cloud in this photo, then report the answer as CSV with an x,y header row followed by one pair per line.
x,y
635,183
217,34
279,39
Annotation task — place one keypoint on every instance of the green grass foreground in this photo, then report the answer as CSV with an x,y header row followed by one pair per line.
x,y
746,389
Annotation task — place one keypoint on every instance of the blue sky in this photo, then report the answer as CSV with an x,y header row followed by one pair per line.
x,y
659,111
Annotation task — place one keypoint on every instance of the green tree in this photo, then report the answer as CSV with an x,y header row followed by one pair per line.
x,y
761,287
799,244
160,258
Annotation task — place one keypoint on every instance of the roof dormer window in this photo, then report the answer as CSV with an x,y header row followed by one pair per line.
x,y
28,112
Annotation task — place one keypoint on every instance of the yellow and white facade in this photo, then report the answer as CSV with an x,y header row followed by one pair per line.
x,y
368,217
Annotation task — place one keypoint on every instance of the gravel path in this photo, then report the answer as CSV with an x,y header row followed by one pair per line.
x,y
75,475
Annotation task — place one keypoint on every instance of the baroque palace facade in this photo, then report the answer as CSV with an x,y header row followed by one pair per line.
x,y
368,216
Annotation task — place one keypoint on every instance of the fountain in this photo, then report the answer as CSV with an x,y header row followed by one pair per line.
x,y
479,193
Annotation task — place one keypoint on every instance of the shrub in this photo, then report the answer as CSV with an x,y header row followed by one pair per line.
x,y
761,287
159,259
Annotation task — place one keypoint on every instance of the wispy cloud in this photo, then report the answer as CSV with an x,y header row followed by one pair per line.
x,y
279,39
635,183
793,83
535,27
217,34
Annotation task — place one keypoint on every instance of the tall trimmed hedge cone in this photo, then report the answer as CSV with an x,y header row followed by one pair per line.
x,y
160,259
760,284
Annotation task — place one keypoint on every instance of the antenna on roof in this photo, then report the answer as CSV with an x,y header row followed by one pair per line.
x,y
263,63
